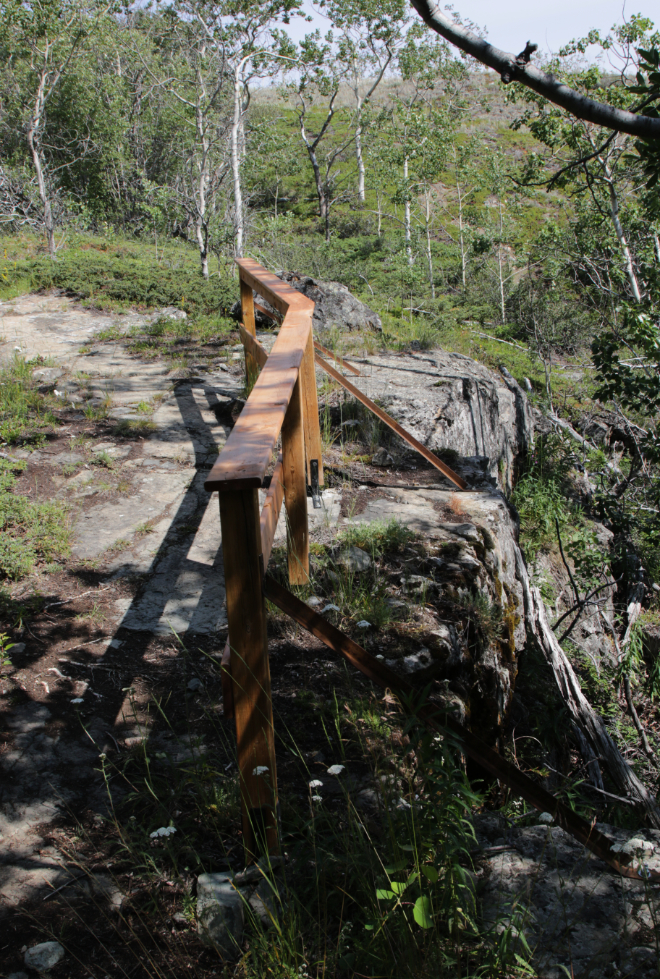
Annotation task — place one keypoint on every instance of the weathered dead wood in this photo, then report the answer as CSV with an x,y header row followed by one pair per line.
x,y
591,725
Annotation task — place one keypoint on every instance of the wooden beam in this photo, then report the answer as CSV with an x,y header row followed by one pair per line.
x,y
247,310
295,489
251,344
248,451
270,513
336,357
394,425
279,294
250,672
313,444
275,316
433,717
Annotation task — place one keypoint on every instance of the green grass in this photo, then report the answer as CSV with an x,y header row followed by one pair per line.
x,y
30,533
116,274
26,415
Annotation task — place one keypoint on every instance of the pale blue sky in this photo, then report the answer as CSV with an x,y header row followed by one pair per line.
x,y
511,23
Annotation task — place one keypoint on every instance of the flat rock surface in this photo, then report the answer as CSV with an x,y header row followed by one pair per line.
x,y
578,917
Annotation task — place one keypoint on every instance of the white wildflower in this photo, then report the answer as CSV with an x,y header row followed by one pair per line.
x,y
163,831
330,608
260,770
336,769
546,817
317,798
77,700
363,624
316,784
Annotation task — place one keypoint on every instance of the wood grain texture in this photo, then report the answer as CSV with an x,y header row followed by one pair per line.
x,y
248,450
279,294
295,489
250,671
394,425
270,512
247,311
433,717
339,360
251,344
313,444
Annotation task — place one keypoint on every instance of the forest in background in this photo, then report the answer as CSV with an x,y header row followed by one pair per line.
x,y
142,150
140,145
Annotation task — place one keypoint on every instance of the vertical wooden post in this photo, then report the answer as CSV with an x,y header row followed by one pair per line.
x,y
250,670
313,447
247,310
295,488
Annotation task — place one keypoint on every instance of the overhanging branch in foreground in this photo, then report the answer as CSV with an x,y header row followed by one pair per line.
x,y
514,68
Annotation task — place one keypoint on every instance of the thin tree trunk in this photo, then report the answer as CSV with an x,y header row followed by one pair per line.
x,y
499,263
239,229
428,241
32,136
461,235
591,725
362,195
406,214
201,222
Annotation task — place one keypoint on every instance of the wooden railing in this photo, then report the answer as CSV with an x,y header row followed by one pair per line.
x,y
283,401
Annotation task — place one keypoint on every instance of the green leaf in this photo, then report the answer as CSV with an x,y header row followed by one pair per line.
x,y
431,874
382,894
422,912
399,886
394,868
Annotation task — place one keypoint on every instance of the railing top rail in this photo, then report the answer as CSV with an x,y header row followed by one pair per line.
x,y
278,293
247,453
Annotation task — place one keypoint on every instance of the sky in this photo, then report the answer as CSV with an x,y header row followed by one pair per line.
x,y
511,23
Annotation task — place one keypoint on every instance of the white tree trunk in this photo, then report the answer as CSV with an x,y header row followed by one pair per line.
x,y
461,235
362,196
429,255
618,228
406,214
500,268
32,136
239,228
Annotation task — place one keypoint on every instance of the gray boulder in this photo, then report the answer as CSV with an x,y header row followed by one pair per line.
x,y
354,559
220,913
45,956
335,305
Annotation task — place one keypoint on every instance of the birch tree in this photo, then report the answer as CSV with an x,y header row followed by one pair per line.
x,y
369,35
40,42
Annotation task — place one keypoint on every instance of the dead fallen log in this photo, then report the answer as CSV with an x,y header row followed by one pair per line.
x,y
581,711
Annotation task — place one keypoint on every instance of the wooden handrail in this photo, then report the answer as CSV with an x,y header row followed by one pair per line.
x,y
248,451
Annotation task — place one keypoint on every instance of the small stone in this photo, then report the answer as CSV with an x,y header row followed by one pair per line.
x,y
195,684
382,457
418,661
220,913
354,559
363,624
179,920
44,956
314,602
18,647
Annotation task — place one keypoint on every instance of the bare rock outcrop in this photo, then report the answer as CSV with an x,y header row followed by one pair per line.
x,y
335,304
455,405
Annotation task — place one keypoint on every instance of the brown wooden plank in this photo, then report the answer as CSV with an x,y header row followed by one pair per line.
x,y
337,358
248,451
227,689
253,712
251,344
313,444
278,293
247,311
270,512
394,425
474,747
275,316
295,489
